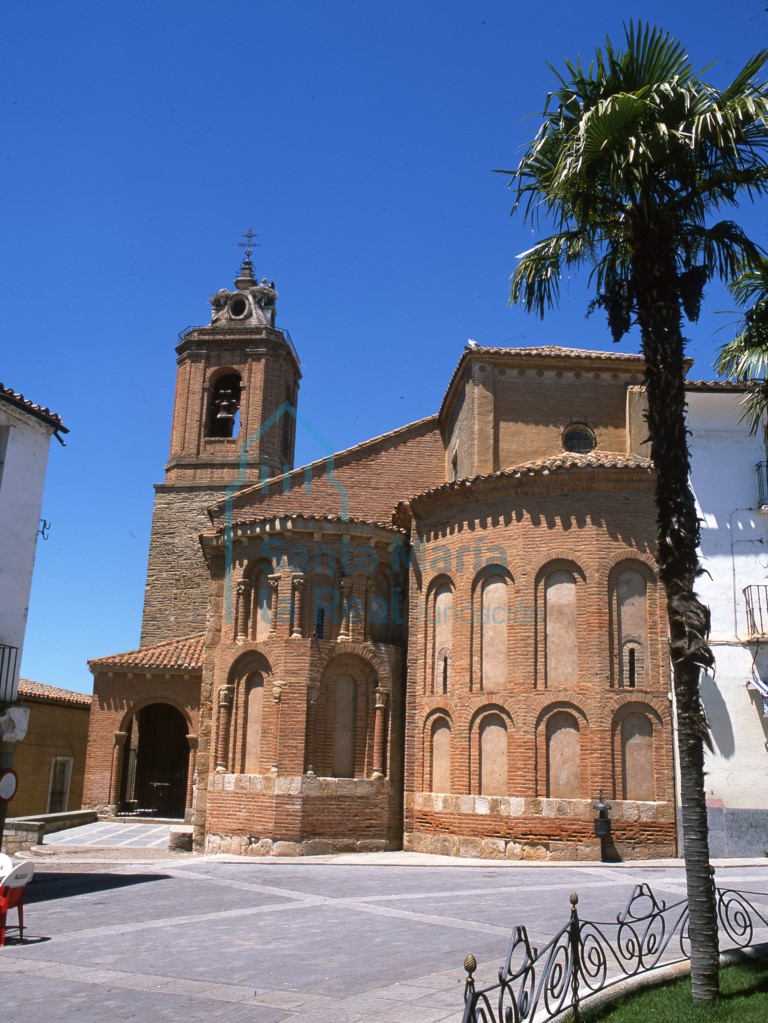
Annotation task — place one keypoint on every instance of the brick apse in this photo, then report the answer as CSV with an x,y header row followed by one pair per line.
x,y
448,638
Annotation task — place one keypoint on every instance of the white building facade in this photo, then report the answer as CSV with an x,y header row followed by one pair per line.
x,y
726,467
25,434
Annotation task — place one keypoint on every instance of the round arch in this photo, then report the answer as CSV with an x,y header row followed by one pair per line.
x,y
155,761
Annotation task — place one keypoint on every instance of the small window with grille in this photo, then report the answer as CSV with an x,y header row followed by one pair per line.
x,y
579,439
58,790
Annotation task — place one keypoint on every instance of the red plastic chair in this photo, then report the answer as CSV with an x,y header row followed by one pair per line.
x,y
12,895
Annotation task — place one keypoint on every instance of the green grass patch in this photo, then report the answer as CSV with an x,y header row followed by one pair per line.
x,y
743,999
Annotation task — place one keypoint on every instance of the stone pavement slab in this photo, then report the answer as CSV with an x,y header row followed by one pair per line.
x,y
307,941
113,834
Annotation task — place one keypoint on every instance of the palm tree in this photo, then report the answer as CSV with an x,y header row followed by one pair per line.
x,y
635,154
745,358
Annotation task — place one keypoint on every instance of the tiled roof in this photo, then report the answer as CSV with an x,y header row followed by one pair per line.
x,y
720,385
335,458
560,352
544,466
30,690
286,520
185,654
38,411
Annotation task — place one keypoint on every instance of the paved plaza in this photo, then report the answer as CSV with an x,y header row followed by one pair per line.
x,y
328,940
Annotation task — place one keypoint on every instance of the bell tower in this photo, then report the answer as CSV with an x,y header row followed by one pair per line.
x,y
234,422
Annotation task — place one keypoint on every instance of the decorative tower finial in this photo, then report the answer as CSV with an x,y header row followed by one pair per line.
x,y
245,278
250,234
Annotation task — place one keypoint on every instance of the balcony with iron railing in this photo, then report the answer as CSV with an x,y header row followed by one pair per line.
x,y
762,485
9,658
756,597
280,330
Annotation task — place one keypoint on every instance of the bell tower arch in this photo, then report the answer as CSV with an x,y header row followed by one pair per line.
x,y
237,384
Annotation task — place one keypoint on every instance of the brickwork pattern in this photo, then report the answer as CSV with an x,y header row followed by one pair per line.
x,y
117,697
602,521
365,482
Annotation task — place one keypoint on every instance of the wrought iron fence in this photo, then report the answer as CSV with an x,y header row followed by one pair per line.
x,y
756,598
232,329
586,956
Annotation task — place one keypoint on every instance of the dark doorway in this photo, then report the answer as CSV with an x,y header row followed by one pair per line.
x,y
156,763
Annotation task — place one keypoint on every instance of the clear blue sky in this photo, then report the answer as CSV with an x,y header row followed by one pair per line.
x,y
141,139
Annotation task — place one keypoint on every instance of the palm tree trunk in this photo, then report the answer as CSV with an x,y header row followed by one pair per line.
x,y
658,306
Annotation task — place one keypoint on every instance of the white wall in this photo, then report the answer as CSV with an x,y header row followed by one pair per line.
x,y
734,551
22,477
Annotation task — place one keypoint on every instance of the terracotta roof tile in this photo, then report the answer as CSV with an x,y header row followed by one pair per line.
x,y
720,385
335,459
560,352
303,520
185,654
30,690
38,411
544,466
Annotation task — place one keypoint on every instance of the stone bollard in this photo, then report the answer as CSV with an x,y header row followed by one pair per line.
x,y
180,838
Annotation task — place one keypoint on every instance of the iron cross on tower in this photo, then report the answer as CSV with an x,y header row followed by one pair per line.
x,y
250,234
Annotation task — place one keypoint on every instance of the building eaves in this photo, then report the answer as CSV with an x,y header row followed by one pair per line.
x,y
721,385
42,693
564,463
299,521
184,654
40,412
537,353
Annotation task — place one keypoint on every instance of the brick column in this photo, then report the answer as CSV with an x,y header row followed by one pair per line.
x,y
222,731
274,584
297,632
346,597
191,767
243,609
313,689
379,758
396,612
277,695
367,610
117,768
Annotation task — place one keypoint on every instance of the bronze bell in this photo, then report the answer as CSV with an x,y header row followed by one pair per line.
x,y
227,405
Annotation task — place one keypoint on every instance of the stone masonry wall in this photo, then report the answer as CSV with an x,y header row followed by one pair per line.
x,y
176,595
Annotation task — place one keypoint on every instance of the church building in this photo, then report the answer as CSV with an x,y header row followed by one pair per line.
x,y
449,638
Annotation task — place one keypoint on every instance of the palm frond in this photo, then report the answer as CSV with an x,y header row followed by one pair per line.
x,y
535,283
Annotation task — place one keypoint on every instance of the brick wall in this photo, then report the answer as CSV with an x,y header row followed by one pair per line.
x,y
290,805
117,696
586,523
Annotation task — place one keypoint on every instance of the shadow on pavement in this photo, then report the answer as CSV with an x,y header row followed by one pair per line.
x,y
47,886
